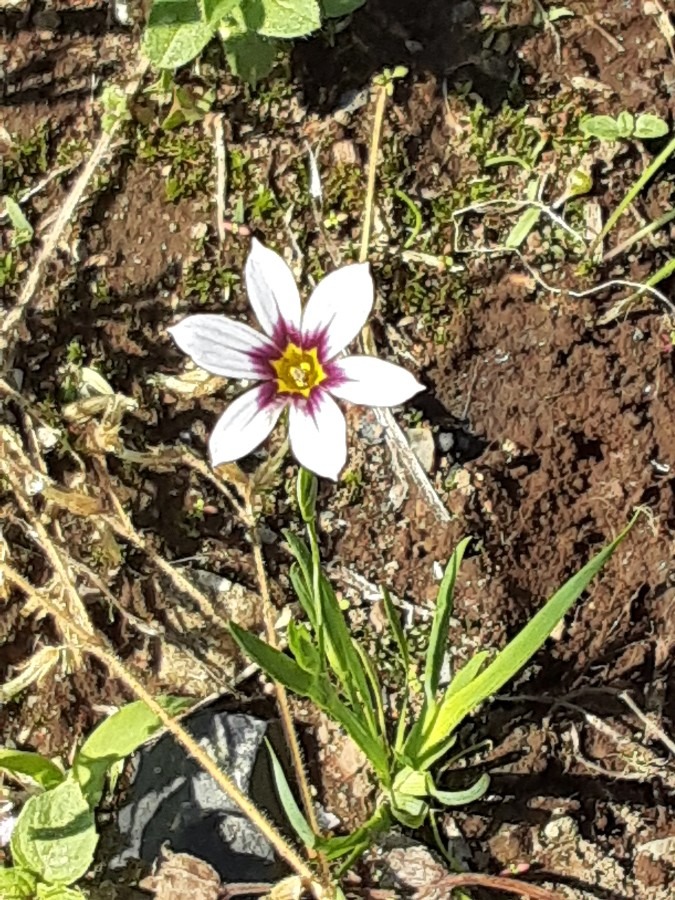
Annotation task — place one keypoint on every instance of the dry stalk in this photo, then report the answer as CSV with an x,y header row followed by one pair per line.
x,y
490,882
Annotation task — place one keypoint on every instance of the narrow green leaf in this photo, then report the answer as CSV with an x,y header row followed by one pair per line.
x,y
461,798
16,884
303,649
466,674
290,18
23,762
23,230
515,655
279,666
55,835
293,813
396,629
439,629
116,738
521,230
362,837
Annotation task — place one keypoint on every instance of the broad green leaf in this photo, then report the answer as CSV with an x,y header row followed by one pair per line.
x,y
215,10
289,18
58,892
512,658
115,738
626,124
603,127
298,822
648,126
439,629
461,798
176,33
520,231
334,8
250,56
16,884
55,835
23,762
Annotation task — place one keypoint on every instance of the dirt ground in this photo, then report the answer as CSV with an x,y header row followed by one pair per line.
x,y
551,414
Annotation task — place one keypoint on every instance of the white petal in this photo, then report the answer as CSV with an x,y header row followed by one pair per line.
x,y
339,307
374,382
318,434
221,345
271,289
244,425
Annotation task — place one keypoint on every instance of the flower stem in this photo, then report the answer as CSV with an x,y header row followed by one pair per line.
x,y
281,694
372,172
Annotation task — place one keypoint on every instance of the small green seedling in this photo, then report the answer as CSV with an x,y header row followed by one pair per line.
x,y
625,126
54,838
23,230
328,666
178,30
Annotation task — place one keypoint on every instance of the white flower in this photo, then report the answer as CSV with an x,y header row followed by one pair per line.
x,y
296,362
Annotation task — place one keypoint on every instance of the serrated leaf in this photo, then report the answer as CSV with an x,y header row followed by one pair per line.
x,y
602,127
176,33
648,127
55,835
23,762
250,56
332,9
116,738
16,884
289,18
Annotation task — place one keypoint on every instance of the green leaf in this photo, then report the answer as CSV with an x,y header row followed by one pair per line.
x,y
289,18
58,892
23,230
602,127
461,798
334,8
303,649
362,838
648,127
520,231
466,673
114,739
294,815
55,835
512,658
439,629
558,12
307,486
176,33
215,10
16,884
250,56
626,124
396,629
22,762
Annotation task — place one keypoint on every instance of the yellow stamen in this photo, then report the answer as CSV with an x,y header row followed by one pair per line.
x,y
298,370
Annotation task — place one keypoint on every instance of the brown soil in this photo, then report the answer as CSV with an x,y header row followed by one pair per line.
x,y
561,426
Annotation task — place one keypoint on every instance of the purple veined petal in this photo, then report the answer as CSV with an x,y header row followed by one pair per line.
x,y
223,346
272,291
369,381
318,435
245,424
339,307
